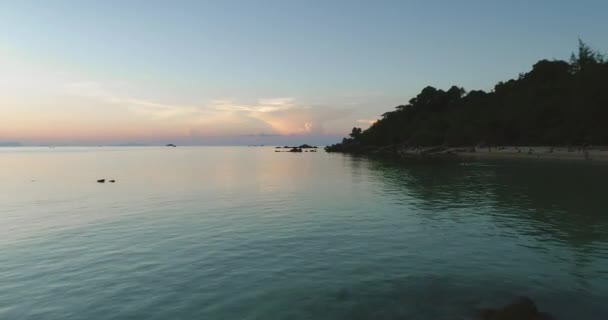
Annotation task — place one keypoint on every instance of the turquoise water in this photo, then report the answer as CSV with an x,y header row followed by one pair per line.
x,y
246,233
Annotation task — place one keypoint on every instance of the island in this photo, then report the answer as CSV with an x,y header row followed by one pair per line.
x,y
11,144
556,110
171,145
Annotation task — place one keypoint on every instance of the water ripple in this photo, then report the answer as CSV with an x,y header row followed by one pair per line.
x,y
323,237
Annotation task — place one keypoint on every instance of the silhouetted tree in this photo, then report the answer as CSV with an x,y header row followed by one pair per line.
x,y
557,102
355,133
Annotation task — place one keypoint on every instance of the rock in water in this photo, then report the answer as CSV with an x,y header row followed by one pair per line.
x,y
522,308
485,314
101,181
112,181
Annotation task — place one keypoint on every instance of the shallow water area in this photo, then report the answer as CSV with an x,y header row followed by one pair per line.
x,y
247,233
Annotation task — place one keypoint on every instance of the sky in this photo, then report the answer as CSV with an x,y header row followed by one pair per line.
x,y
251,72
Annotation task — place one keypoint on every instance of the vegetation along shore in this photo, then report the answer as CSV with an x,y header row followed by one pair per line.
x,y
558,110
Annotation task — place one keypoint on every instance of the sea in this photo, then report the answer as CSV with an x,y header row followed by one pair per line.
x,y
250,233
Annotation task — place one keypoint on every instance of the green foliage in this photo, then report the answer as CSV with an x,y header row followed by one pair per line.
x,y
556,103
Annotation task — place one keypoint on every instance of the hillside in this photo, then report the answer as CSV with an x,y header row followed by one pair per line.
x,y
556,103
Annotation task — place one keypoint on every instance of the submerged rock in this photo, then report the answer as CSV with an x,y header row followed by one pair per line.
x,y
112,181
522,308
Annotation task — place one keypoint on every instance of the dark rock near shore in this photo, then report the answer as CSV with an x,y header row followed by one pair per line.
x,y
295,150
112,181
101,181
522,308
306,146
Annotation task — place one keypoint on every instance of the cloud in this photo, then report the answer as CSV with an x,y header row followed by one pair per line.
x,y
86,89
309,127
279,115
159,110
262,105
285,115
139,106
367,121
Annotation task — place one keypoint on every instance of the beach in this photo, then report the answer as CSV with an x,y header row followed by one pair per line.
x,y
539,153
506,152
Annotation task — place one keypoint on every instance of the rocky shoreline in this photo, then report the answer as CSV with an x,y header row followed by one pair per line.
x,y
301,148
588,153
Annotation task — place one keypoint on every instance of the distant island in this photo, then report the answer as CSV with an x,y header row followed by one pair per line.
x,y
557,103
10,144
171,145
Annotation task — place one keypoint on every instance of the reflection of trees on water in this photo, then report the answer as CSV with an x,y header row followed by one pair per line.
x,y
562,200
356,164
569,200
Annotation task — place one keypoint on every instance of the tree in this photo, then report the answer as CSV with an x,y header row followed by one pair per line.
x,y
355,133
557,102
586,57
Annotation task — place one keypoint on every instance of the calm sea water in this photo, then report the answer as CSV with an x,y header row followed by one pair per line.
x,y
247,233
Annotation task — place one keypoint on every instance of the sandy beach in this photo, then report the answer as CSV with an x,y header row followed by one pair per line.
x,y
536,152
599,153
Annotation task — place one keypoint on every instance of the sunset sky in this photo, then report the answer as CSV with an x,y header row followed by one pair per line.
x,y
241,72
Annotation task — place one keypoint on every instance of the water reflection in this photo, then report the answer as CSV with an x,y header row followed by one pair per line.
x,y
565,201
227,233
528,228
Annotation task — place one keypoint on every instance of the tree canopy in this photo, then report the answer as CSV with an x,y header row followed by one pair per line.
x,y
556,103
